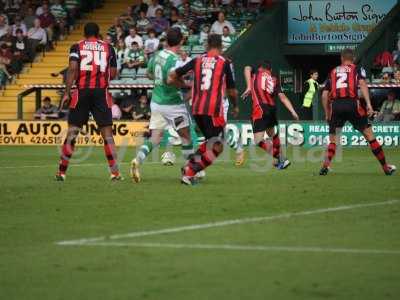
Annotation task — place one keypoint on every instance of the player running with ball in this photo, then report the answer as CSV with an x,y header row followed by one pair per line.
x,y
167,107
344,105
263,87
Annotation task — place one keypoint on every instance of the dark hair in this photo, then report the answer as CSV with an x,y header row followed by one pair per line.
x,y
226,27
347,54
46,99
135,43
214,41
266,64
174,37
91,29
312,71
151,31
19,30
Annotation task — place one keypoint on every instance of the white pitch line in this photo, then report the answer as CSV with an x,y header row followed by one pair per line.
x,y
223,223
245,248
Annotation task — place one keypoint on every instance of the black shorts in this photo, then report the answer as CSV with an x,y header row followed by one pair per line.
x,y
209,127
344,110
268,119
95,101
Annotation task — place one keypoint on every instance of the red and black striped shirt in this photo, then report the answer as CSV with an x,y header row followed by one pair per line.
x,y
264,87
342,82
95,58
213,74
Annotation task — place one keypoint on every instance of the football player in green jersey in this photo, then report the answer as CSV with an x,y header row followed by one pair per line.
x,y
167,106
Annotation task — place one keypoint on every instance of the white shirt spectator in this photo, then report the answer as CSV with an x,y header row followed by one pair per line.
x,y
181,62
218,27
38,34
129,40
22,26
151,45
151,11
39,11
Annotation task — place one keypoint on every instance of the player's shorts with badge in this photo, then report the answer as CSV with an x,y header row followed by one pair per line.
x,y
175,116
350,110
266,120
86,101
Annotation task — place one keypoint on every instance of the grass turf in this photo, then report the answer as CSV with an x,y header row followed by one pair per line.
x,y
36,212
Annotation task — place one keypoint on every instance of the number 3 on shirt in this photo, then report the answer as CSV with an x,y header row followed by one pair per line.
x,y
341,82
88,57
206,79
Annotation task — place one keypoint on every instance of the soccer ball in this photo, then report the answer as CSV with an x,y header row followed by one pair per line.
x,y
168,158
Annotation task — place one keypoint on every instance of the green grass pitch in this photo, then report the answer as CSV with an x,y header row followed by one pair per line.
x,y
350,253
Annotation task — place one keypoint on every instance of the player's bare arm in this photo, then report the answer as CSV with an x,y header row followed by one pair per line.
x,y
233,96
247,76
285,100
365,93
72,74
325,99
113,73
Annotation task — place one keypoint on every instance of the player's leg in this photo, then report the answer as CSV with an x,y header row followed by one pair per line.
x,y
101,109
67,150
339,115
110,152
77,117
329,154
207,152
156,126
376,148
178,117
233,144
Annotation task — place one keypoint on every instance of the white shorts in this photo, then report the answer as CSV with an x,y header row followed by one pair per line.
x,y
163,116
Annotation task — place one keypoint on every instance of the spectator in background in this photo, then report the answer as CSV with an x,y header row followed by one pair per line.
x,y
37,36
173,16
127,18
109,39
205,31
310,89
47,21
126,109
133,37
29,18
151,44
113,29
48,111
60,16
72,6
160,24
151,11
5,60
184,58
115,111
141,7
386,78
142,110
227,40
390,109
8,37
396,77
218,26
39,9
134,59
143,24
19,25
3,26
120,51
20,47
